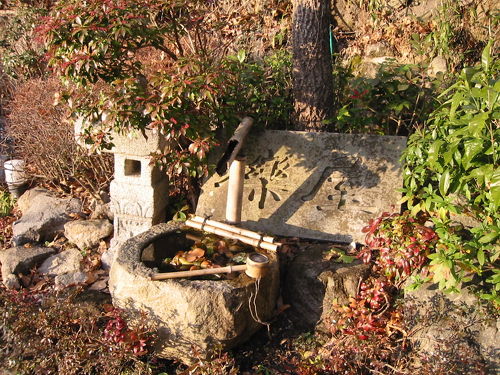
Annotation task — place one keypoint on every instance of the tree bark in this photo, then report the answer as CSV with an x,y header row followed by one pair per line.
x,y
312,64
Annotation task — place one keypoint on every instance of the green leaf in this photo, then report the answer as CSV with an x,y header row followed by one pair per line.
x,y
455,102
444,182
495,187
451,149
480,257
478,93
486,56
495,195
347,259
241,56
478,174
477,124
490,237
471,149
433,153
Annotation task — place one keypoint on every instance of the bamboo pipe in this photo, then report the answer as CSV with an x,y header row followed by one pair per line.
x,y
235,190
233,229
193,237
207,271
234,146
225,233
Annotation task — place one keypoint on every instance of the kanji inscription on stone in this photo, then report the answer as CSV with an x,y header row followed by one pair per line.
x,y
313,185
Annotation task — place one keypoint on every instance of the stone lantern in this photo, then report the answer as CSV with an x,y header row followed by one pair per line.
x,y
139,190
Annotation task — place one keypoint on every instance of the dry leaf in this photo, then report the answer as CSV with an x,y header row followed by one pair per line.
x,y
91,277
194,254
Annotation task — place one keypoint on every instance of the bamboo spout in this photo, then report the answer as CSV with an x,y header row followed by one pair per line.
x,y
235,191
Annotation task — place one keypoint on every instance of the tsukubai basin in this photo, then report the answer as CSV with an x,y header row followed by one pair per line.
x,y
193,319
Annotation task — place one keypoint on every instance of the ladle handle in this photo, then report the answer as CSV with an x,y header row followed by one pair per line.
x,y
207,271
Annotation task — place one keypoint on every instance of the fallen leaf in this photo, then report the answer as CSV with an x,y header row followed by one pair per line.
x,y
39,285
194,254
25,280
91,277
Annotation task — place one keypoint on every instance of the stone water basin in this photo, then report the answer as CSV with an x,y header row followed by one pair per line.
x,y
192,317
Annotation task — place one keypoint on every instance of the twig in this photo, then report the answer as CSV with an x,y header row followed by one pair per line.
x,y
395,369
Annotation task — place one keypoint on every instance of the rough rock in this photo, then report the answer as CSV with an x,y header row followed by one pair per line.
x,y
378,50
70,279
20,260
11,282
43,217
425,9
452,331
437,65
67,261
206,315
108,257
313,283
87,233
102,211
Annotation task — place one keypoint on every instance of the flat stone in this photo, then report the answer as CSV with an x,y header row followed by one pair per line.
x,y
313,283
313,185
378,50
444,325
206,315
70,279
87,233
65,262
21,260
44,216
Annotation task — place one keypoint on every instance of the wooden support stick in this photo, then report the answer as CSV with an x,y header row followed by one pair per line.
x,y
206,271
233,229
225,233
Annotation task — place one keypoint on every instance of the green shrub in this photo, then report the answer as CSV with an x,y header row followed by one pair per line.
x,y
6,203
396,101
452,167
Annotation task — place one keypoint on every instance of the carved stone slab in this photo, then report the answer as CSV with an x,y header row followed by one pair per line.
x,y
313,185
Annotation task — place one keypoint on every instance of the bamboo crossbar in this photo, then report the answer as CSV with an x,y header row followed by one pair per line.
x,y
225,233
233,229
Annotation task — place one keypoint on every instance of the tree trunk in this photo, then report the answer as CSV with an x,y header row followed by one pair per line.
x,y
312,64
